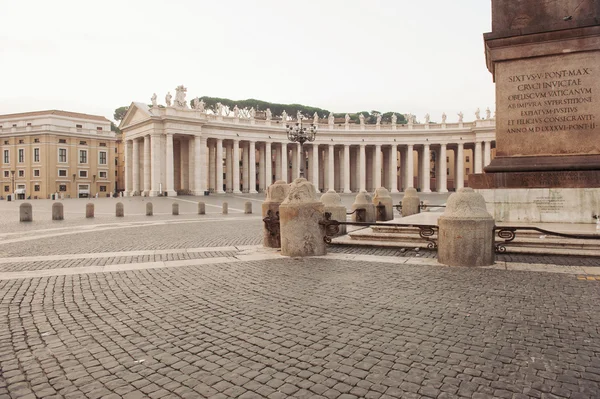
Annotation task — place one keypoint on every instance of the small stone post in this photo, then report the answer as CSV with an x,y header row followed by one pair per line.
x,y
225,208
175,208
382,195
248,208
363,200
57,211
25,212
119,210
466,231
410,202
201,208
300,213
333,204
276,193
149,209
89,210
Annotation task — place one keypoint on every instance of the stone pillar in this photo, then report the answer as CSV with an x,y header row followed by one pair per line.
x,y
331,168
333,204
487,153
155,168
147,186
276,193
119,210
426,169
228,168
300,214
315,166
136,168
199,165
284,162
212,165
466,231
127,152
460,167
346,169
201,208
295,161
443,175
252,165
268,164
245,169
362,184
382,196
175,209
364,201
219,167
393,169
170,169
262,180
25,212
477,168
410,167
57,211
410,202
378,165
89,210
236,167
225,208
149,209
247,207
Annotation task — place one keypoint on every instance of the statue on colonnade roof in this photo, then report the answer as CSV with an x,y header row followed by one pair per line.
x,y
268,114
394,119
153,99
180,97
331,118
284,116
316,118
460,117
488,113
236,111
168,98
444,116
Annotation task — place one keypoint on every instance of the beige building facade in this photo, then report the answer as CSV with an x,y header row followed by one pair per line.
x,y
56,153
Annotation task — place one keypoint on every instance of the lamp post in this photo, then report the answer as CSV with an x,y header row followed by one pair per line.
x,y
297,133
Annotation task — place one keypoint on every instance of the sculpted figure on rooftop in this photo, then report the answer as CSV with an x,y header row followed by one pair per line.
x,y
427,118
460,117
444,116
316,118
331,118
153,99
268,114
477,114
168,98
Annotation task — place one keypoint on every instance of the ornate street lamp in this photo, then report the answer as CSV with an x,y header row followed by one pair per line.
x,y
301,134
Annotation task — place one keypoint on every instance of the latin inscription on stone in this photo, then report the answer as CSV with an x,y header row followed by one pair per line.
x,y
550,105
554,204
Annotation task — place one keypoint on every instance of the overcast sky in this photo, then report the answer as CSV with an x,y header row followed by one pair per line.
x,y
417,56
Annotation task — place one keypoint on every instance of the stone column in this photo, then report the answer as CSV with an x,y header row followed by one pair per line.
x,y
262,180
228,168
295,161
198,168
212,165
284,162
245,169
331,168
378,165
136,168
362,184
146,165
460,167
477,158
300,161
128,167
219,167
346,169
487,153
236,167
155,168
393,169
278,169
426,169
170,167
315,166
443,175
410,167
252,164
268,164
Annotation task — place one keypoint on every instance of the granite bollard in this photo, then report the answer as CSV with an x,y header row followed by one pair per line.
x,y
175,209
363,201
466,231
248,208
333,204
201,208
149,209
276,193
382,196
58,211
225,208
25,212
119,210
410,202
89,210
300,214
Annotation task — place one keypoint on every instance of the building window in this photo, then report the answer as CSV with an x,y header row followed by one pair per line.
x,y
103,175
82,156
83,174
99,128
62,155
103,189
116,161
83,143
6,173
468,170
14,125
62,173
467,158
6,156
62,141
62,187
5,142
102,157
28,123
36,155
102,144
21,141
36,140
36,187
21,155
6,188
21,173
79,126
36,173
448,172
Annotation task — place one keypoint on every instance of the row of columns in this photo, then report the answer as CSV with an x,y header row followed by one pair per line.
x,y
201,167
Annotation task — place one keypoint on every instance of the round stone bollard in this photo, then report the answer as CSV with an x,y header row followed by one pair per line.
x,y
300,214
89,210
333,204
410,202
363,201
175,209
57,211
276,193
466,231
201,208
119,210
382,197
25,212
248,208
225,208
149,209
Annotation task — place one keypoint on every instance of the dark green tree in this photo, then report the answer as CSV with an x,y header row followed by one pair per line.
x,y
120,113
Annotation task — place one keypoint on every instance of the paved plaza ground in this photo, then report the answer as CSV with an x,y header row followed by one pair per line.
x,y
191,306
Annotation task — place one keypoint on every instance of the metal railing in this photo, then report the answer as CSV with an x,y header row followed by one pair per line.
x,y
509,233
